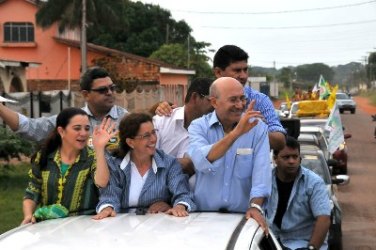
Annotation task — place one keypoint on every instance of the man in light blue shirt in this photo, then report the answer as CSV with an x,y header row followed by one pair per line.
x,y
98,90
230,152
298,210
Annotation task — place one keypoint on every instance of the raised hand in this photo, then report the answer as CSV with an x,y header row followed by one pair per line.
x,y
164,109
104,132
248,120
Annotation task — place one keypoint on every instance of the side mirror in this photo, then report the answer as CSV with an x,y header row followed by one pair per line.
x,y
341,180
347,136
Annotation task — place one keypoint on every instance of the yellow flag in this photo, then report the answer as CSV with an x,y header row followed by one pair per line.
x,y
288,102
332,97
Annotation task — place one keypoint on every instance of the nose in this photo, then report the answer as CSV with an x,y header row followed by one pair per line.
x,y
243,76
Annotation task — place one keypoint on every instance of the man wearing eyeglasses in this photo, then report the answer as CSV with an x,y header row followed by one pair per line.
x,y
97,89
232,61
230,152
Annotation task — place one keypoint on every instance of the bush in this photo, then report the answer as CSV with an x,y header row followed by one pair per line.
x,y
13,146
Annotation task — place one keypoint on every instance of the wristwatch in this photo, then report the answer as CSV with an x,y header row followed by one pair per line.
x,y
311,247
254,205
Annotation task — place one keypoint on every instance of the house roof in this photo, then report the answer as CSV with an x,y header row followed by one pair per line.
x,y
164,67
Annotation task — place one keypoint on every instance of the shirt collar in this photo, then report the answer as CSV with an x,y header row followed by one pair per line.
x,y
127,161
213,119
112,113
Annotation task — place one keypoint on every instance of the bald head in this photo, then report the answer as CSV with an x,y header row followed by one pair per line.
x,y
228,100
224,85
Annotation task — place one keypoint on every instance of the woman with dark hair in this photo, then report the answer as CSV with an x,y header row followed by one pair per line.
x,y
142,175
65,173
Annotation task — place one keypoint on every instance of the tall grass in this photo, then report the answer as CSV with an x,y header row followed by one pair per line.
x,y
371,95
13,181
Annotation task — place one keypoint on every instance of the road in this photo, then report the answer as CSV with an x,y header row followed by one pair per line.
x,y
358,199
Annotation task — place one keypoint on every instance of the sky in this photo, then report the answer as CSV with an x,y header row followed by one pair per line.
x,y
280,33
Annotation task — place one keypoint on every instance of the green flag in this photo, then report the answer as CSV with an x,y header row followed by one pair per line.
x,y
324,88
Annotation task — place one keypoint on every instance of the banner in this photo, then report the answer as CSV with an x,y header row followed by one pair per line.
x,y
334,126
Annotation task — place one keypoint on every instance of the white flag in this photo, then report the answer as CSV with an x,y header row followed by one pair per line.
x,y
334,125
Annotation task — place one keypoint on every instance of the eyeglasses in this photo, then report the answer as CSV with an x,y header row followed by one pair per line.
x,y
236,99
105,89
147,135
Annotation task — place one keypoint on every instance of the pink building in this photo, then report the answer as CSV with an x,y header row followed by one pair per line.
x,y
52,59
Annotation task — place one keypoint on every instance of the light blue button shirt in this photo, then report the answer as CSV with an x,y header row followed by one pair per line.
x,y
265,106
309,198
241,174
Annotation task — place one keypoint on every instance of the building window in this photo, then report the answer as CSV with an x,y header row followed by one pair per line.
x,y
18,32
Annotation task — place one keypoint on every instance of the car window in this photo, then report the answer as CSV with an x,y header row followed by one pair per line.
x,y
342,96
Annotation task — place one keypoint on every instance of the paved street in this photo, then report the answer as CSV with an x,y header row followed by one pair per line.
x,y
358,199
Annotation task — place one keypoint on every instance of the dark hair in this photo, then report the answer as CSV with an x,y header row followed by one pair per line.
x,y
90,75
199,85
291,142
54,141
128,128
228,54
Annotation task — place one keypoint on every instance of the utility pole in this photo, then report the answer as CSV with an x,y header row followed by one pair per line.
x,y
188,56
167,32
83,38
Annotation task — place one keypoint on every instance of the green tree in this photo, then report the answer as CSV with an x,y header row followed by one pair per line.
x,y
13,146
177,55
371,69
285,76
310,73
67,13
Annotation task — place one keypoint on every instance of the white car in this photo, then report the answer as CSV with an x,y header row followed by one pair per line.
x,y
204,230
345,102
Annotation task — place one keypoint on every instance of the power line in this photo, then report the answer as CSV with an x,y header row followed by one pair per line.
x,y
291,27
275,12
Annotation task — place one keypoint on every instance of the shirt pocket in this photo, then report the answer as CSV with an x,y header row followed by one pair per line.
x,y
243,166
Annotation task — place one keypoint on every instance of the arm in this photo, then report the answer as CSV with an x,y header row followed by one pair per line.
x,y
9,116
277,140
255,213
28,207
32,192
101,135
275,128
320,206
111,195
187,166
164,109
178,186
244,125
36,129
320,230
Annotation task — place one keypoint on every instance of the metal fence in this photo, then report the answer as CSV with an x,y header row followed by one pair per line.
x,y
46,103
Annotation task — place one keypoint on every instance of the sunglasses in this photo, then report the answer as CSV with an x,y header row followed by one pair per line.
x,y
105,89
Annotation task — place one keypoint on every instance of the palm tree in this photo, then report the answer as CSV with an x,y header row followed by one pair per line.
x,y
77,13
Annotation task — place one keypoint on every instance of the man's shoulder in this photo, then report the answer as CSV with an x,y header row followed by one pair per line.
x,y
250,92
177,113
310,175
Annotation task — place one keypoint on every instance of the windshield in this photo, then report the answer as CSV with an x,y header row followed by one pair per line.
x,y
313,163
342,96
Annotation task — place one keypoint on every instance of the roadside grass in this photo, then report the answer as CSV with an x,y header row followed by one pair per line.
x,y
371,95
13,181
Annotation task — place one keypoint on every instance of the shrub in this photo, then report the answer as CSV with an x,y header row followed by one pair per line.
x,y
13,146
